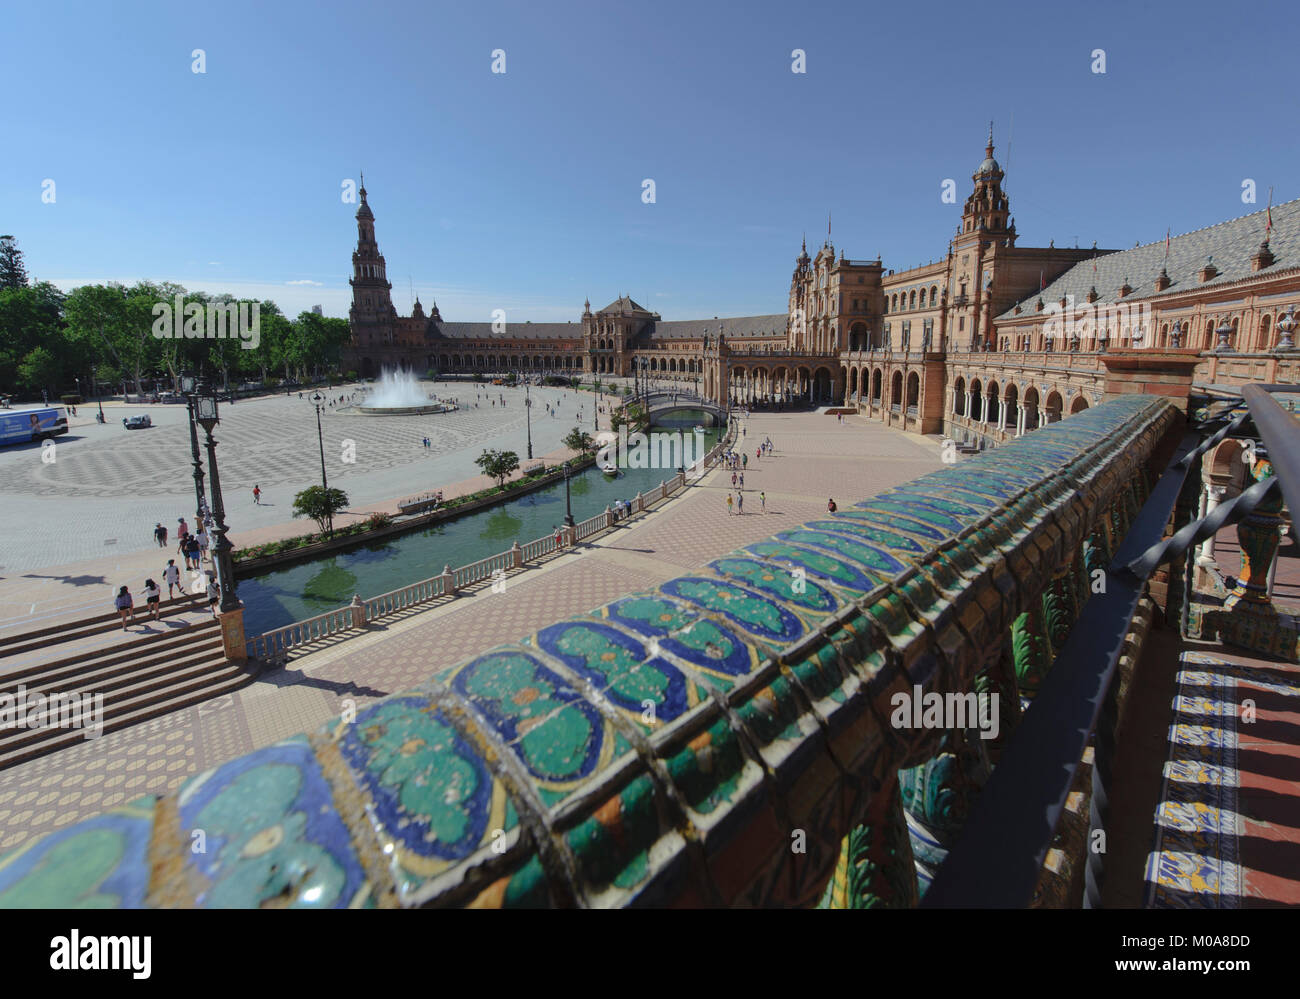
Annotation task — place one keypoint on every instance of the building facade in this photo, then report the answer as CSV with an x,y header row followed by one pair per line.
x,y
987,342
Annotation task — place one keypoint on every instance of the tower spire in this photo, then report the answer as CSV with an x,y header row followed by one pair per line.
x,y
988,150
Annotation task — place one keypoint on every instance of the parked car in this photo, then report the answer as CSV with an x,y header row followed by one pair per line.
x,y
136,422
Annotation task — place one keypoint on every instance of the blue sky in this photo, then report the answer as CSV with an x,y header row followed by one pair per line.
x,y
523,190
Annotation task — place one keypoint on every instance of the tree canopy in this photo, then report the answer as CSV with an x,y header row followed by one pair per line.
x,y
49,339
498,465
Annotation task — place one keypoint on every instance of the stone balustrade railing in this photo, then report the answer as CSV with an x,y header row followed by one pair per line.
x,y
728,738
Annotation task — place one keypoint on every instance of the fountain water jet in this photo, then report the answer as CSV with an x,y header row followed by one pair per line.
x,y
399,393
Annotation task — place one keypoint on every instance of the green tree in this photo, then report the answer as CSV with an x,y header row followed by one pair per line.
x,y
616,419
579,440
32,317
498,464
12,272
320,504
39,370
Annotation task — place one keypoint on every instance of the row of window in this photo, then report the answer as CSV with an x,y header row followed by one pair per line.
x,y
915,300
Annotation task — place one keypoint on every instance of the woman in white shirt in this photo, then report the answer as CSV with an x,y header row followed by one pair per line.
x,y
151,597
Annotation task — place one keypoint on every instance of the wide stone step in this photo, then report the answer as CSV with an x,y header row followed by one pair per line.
x,y
199,684
31,641
105,678
133,650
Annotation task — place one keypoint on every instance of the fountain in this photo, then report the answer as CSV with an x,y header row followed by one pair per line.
x,y
399,393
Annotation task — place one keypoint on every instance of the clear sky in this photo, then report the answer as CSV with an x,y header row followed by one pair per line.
x,y
523,190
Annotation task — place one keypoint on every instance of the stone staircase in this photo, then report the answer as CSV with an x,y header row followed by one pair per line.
x,y
139,678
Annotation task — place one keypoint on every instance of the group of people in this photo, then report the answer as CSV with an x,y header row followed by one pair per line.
x,y
737,504
193,548
738,462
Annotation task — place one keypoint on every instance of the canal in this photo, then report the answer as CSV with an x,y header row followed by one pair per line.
x,y
279,597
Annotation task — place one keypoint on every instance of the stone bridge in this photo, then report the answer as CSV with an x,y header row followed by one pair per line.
x,y
659,404
727,739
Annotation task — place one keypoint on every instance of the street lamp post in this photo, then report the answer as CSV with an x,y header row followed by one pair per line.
x,y
568,506
528,418
318,401
190,388
206,413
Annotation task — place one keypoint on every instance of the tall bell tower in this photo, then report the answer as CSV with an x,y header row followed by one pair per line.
x,y
985,236
372,315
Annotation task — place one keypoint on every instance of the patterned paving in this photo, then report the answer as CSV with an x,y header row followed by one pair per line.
x,y
1228,824
861,457
108,486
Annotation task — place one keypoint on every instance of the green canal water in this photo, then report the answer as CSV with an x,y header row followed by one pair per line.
x,y
279,597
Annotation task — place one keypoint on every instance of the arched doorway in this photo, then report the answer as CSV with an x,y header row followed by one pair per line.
x,y
896,392
1053,407
1078,405
821,387
1031,409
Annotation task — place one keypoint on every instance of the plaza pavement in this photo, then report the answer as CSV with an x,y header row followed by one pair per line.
x,y
76,529
816,459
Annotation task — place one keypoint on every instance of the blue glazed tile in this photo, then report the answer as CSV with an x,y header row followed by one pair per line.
x,y
262,831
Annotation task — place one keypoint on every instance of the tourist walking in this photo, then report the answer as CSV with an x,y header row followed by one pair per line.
x,y
742,480
151,597
202,538
744,460
830,506
124,606
740,504
183,529
192,551
160,535
762,502
257,495
214,592
172,577
733,480
559,538
729,502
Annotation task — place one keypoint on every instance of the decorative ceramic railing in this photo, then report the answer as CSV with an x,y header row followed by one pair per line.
x,y
728,738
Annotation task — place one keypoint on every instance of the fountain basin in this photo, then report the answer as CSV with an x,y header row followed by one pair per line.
x,y
436,407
